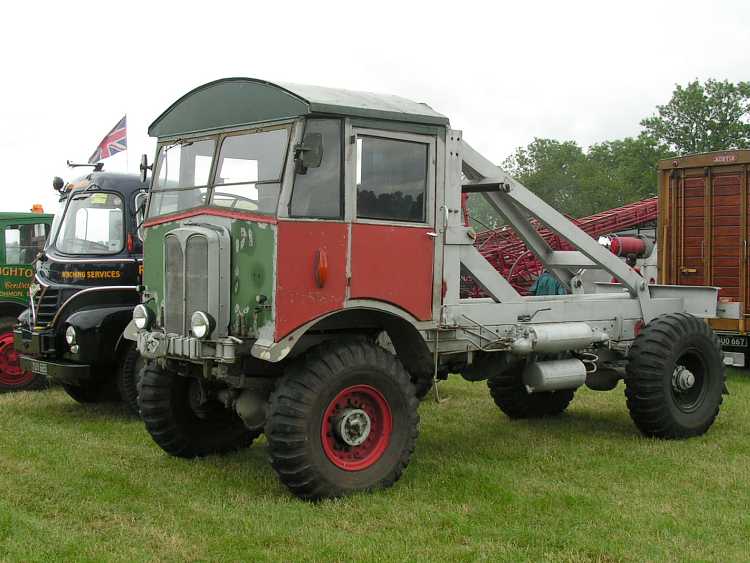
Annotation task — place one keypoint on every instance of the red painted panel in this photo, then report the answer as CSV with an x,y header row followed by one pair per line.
x,y
299,298
213,211
393,264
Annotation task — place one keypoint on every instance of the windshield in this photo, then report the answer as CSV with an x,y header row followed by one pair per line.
x,y
248,172
55,223
93,224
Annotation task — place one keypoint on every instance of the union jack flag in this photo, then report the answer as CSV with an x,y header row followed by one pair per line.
x,y
115,141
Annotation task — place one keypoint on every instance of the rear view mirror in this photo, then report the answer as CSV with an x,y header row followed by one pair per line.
x,y
308,154
58,183
145,167
140,212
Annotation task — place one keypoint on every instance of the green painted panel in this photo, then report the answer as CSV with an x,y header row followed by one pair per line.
x,y
252,276
153,264
253,248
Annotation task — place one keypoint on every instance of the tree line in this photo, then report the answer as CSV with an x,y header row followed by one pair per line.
x,y
699,117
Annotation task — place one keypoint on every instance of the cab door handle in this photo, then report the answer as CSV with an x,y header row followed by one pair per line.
x,y
432,234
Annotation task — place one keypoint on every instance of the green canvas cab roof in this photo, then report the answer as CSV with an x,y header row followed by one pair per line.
x,y
234,102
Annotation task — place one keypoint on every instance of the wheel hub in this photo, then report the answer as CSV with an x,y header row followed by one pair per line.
x,y
353,427
682,379
11,374
356,428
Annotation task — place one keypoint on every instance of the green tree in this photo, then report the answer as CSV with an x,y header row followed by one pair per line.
x,y
551,169
703,117
624,171
578,183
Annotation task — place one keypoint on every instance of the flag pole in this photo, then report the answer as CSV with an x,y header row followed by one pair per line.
x,y
127,152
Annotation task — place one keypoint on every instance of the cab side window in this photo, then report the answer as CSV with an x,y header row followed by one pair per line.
x,y
317,192
391,179
24,242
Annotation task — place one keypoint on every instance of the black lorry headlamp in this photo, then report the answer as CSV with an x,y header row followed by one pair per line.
x,y
70,335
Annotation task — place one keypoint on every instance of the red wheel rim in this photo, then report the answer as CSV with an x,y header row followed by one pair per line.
x,y
349,405
11,374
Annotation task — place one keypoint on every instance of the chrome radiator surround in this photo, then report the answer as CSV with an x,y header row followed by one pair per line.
x,y
196,277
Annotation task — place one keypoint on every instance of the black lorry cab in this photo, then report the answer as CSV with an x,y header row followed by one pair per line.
x,y
85,287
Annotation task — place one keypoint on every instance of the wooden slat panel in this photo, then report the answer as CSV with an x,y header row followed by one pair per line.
x,y
726,241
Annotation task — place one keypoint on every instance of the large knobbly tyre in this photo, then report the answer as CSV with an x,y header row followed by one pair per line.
x,y
182,427
509,393
675,377
128,375
12,377
343,419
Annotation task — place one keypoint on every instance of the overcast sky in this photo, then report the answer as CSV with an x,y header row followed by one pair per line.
x,y
586,71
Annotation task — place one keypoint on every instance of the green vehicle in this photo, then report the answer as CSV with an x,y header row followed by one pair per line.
x,y
23,237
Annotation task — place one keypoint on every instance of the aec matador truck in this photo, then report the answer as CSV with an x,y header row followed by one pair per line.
x,y
289,227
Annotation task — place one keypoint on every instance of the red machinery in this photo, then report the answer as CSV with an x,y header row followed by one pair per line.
x,y
509,255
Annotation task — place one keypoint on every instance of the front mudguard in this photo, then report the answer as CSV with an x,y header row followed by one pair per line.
x,y
98,332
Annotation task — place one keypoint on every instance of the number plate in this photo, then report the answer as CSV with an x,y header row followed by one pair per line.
x,y
734,340
38,367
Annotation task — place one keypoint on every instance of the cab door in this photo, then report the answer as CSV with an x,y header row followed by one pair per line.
x,y
393,224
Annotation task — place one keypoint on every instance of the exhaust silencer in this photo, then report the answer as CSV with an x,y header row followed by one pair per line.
x,y
550,338
554,375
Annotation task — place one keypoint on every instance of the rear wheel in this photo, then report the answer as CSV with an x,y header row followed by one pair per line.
x,y
422,386
181,423
509,393
12,377
128,377
675,377
343,419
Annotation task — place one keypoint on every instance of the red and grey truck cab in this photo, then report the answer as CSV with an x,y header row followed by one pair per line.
x,y
85,288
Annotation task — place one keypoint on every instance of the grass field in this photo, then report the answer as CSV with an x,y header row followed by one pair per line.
x,y
88,483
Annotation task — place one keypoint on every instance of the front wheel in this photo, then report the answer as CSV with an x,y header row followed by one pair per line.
x,y
128,376
675,377
12,377
183,424
343,419
98,390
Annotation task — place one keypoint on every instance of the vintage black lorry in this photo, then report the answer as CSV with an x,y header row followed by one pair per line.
x,y
85,288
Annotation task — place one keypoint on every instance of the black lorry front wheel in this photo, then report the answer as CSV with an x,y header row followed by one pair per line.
x,y
509,393
12,377
93,391
128,375
180,424
675,377
343,419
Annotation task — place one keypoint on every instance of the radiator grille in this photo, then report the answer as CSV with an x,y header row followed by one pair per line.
x,y
196,275
45,305
174,314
